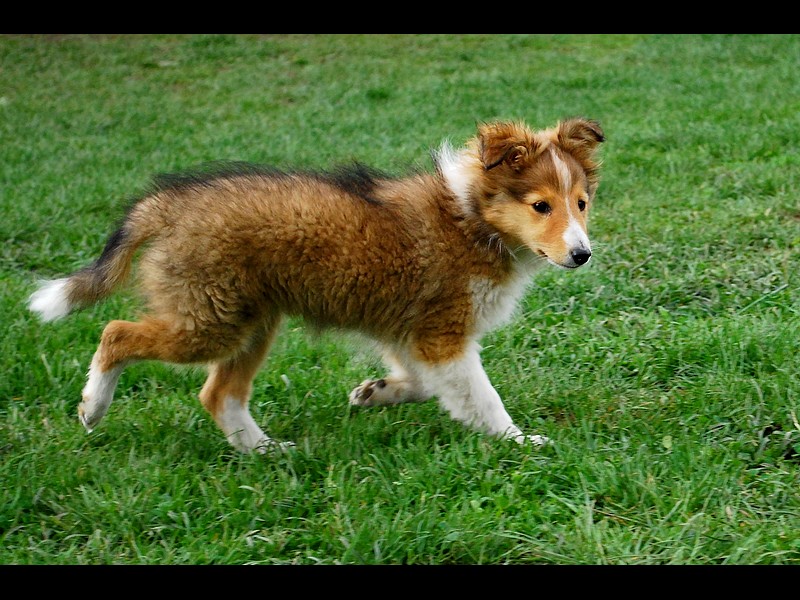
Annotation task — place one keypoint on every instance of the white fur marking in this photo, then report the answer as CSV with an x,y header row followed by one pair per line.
x,y
457,172
562,170
50,300
574,236
494,304
242,431
464,390
97,393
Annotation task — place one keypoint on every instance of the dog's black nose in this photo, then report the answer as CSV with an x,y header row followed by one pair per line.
x,y
581,256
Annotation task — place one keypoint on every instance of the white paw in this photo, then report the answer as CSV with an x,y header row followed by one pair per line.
x,y
90,414
535,440
84,421
267,445
97,394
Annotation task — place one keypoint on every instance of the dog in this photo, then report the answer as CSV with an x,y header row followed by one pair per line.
x,y
424,264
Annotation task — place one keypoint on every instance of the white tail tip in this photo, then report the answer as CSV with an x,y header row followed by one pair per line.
x,y
50,300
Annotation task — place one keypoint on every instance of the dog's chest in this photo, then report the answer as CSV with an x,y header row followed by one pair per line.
x,y
493,304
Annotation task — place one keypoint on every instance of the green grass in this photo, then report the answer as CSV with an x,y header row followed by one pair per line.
x,y
666,371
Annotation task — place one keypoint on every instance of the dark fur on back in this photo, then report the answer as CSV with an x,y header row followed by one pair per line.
x,y
207,174
356,178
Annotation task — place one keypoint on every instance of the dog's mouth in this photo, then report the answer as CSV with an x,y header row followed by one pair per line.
x,y
560,266
555,263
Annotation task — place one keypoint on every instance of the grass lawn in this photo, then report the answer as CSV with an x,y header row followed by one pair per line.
x,y
666,371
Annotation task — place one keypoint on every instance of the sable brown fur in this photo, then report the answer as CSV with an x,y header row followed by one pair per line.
x,y
226,252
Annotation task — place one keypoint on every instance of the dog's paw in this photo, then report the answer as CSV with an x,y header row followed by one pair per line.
x,y
254,441
270,446
364,394
537,441
90,414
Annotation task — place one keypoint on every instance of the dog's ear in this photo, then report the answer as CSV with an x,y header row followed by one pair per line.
x,y
505,143
580,137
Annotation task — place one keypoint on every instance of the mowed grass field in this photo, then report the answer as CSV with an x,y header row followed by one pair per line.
x,y
666,371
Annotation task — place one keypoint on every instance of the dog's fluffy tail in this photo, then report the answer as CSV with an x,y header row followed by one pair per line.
x,y
57,298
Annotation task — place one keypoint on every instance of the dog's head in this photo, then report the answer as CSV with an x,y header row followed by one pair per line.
x,y
534,189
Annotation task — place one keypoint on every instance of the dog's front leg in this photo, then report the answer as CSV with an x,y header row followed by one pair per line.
x,y
464,390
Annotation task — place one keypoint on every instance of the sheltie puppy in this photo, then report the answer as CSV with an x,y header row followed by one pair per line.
x,y
424,265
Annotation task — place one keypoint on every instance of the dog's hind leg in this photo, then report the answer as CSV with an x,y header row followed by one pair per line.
x,y
227,390
124,342
400,385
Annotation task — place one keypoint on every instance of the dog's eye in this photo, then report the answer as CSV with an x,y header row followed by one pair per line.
x,y
581,205
541,207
